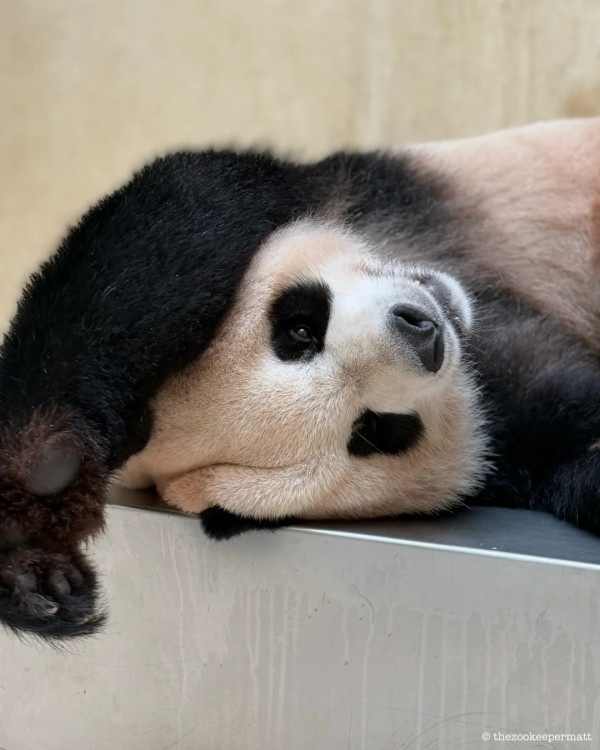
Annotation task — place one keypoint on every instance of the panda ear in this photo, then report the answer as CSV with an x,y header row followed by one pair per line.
x,y
220,524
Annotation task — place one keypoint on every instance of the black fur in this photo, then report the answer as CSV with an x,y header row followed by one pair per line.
x,y
384,433
137,289
46,604
221,524
541,387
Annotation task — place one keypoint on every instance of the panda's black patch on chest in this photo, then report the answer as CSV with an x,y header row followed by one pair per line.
x,y
384,433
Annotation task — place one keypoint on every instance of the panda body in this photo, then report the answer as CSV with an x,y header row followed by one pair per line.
x,y
367,335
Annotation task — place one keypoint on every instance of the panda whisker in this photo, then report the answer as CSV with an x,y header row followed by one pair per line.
x,y
360,435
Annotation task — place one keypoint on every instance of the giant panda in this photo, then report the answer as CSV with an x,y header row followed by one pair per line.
x,y
367,335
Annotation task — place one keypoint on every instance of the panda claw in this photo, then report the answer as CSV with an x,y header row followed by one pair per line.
x,y
58,584
37,605
74,576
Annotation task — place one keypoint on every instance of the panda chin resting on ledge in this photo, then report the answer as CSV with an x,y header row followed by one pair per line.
x,y
368,335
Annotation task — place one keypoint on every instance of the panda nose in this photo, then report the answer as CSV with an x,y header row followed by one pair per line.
x,y
420,332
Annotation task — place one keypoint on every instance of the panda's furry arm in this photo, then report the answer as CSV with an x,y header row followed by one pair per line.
x,y
135,292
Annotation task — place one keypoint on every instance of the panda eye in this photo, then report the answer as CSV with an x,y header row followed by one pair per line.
x,y
299,317
302,334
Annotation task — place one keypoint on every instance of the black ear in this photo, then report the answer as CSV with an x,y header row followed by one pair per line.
x,y
221,524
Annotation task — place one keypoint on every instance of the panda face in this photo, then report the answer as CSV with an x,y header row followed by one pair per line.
x,y
335,386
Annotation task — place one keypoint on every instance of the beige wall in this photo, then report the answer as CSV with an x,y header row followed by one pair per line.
x,y
89,90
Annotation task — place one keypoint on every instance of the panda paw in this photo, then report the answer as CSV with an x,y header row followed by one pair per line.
x,y
49,594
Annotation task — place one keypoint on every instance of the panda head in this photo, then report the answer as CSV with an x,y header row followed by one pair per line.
x,y
336,386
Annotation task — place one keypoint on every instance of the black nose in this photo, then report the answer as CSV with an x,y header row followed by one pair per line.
x,y
422,333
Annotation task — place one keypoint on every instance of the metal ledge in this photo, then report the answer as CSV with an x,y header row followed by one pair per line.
x,y
419,634
494,531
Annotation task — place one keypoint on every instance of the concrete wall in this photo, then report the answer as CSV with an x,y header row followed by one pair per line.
x,y
90,90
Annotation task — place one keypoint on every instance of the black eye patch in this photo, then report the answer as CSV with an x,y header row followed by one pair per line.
x,y
299,319
384,433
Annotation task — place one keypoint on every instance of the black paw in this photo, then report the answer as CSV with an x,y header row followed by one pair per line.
x,y
48,594
221,524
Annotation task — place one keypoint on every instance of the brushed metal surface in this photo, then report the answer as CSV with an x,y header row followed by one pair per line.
x,y
495,530
320,638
